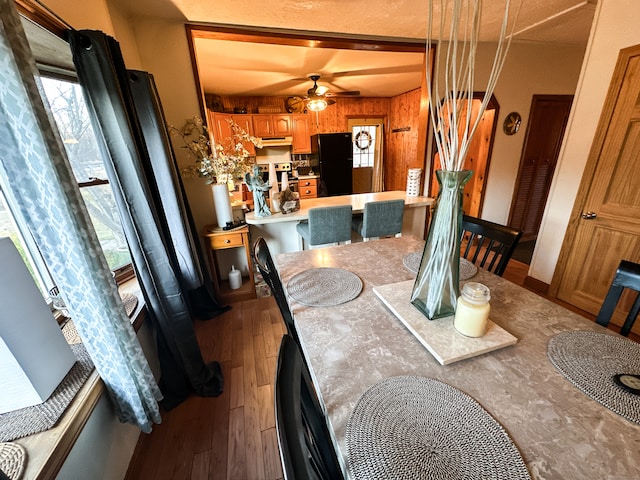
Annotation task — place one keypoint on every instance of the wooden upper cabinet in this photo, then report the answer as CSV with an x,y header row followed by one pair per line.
x,y
301,133
222,128
272,125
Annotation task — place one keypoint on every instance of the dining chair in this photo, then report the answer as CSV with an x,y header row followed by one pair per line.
x,y
267,268
379,219
306,448
488,245
326,225
627,276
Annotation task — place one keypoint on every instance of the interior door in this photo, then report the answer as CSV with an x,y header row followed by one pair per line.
x,y
605,222
478,156
547,122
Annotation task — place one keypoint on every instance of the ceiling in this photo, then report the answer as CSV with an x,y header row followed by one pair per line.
x,y
241,68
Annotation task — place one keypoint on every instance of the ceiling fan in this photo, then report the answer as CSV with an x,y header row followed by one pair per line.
x,y
317,98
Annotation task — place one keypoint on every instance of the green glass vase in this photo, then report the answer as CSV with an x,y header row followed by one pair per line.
x,y
437,285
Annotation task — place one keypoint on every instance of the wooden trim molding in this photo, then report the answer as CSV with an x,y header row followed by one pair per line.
x,y
535,285
42,16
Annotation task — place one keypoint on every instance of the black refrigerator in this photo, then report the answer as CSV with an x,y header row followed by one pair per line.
x,y
332,155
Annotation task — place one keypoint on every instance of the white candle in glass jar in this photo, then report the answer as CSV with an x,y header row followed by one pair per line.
x,y
472,310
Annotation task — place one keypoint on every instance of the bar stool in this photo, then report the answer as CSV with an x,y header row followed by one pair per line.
x,y
380,219
326,225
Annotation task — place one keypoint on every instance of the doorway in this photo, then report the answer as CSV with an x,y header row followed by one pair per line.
x,y
478,156
368,148
548,118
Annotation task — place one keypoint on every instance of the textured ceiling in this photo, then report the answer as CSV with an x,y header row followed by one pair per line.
x,y
237,68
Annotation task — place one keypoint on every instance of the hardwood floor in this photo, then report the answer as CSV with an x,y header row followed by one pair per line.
x,y
231,436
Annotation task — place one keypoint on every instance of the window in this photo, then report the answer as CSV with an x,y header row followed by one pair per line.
x,y
72,119
364,142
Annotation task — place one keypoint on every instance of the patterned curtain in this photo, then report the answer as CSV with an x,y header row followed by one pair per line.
x,y
33,160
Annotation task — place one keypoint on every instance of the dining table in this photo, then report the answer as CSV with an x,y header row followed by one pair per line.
x,y
352,346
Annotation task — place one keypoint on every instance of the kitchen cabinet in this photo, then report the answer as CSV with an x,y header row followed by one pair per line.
x,y
272,125
218,241
308,187
301,133
222,129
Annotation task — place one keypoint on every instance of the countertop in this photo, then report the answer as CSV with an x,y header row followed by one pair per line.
x,y
561,432
356,201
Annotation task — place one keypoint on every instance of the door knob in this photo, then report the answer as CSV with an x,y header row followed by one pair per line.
x,y
589,215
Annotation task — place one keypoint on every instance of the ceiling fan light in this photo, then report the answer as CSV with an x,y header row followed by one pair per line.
x,y
316,104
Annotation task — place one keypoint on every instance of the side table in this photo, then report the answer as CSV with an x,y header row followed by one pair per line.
x,y
219,240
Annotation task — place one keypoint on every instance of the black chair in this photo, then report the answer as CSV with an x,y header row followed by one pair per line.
x,y
489,245
627,276
306,449
267,268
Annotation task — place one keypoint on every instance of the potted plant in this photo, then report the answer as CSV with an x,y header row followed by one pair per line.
x,y
220,163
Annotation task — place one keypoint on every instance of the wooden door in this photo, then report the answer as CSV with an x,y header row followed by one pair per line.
x,y
547,122
478,156
605,223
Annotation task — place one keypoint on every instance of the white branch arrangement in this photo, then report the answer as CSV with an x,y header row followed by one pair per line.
x,y
450,98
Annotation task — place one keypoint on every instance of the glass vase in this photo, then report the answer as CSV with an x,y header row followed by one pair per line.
x,y
436,289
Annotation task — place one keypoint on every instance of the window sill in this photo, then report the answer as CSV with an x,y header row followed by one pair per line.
x,y
48,450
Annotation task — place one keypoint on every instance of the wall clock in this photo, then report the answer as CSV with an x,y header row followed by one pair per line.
x,y
511,124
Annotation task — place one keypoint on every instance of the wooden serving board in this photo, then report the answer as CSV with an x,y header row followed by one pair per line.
x,y
439,336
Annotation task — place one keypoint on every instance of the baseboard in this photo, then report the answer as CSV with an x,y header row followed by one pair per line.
x,y
538,286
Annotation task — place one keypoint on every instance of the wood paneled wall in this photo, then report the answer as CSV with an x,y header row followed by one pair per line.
x,y
401,114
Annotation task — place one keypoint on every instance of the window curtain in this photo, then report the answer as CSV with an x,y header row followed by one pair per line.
x,y
377,180
35,166
141,168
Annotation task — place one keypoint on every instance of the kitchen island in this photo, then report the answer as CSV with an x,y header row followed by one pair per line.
x,y
279,230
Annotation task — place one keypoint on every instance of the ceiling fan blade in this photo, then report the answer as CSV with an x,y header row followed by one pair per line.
x,y
330,102
351,93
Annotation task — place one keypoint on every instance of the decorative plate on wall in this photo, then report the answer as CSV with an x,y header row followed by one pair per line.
x,y
511,124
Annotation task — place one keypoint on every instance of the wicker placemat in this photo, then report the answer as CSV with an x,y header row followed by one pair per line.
x,y
590,360
419,428
13,458
412,260
130,302
29,420
324,287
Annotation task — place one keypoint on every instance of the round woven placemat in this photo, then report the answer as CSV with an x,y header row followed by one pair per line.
x,y
13,458
130,302
419,428
590,360
412,260
324,287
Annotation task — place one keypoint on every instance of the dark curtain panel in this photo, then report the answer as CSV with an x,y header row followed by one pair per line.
x,y
156,220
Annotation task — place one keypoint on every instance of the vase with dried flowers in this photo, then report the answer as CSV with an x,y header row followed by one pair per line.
x,y
220,163
450,90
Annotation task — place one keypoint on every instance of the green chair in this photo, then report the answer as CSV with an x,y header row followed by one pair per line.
x,y
326,225
380,219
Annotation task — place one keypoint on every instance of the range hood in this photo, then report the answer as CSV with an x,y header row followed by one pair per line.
x,y
277,141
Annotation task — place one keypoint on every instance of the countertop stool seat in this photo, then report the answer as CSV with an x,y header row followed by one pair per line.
x,y
326,225
380,219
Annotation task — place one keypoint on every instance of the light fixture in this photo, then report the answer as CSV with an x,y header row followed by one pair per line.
x,y
316,103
